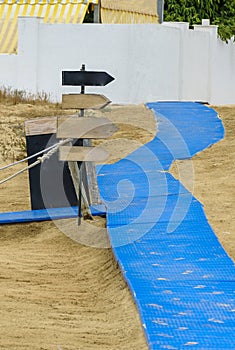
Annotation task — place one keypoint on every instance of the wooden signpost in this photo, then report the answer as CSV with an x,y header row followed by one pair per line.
x,y
75,164
84,101
82,154
86,78
83,129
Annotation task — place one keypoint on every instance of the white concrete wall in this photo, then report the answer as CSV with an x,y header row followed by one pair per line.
x,y
195,66
122,50
223,87
149,62
8,70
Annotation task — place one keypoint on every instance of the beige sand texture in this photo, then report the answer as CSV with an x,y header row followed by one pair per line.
x,y
57,294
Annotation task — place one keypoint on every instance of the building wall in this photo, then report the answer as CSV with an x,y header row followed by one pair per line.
x,y
149,62
8,70
223,84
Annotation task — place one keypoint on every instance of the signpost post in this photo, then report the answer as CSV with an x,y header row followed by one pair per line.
x,y
83,129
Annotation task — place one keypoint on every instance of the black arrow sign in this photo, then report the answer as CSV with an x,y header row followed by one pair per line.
x,y
86,78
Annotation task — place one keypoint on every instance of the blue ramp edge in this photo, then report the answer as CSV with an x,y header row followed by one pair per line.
x,y
181,279
47,214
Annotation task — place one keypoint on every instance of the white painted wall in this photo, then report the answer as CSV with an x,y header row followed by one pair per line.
x,y
195,66
138,65
223,87
8,70
149,62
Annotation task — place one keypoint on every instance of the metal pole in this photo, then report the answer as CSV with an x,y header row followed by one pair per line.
x,y
97,13
80,143
80,166
160,10
82,169
83,68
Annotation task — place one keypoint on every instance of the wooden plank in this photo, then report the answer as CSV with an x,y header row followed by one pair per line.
x,y
85,128
40,126
84,101
89,169
93,189
82,154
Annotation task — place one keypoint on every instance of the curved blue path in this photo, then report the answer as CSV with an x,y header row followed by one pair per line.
x,y
181,278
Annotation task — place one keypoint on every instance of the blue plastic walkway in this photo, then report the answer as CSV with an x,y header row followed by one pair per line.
x,y
181,278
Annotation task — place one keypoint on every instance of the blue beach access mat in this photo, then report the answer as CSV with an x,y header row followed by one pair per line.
x,y
47,214
181,279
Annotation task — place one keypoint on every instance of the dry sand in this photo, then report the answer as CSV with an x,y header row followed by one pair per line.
x,y
58,294
214,181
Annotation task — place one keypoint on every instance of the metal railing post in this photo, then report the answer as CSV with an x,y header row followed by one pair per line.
x,y
160,10
97,13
